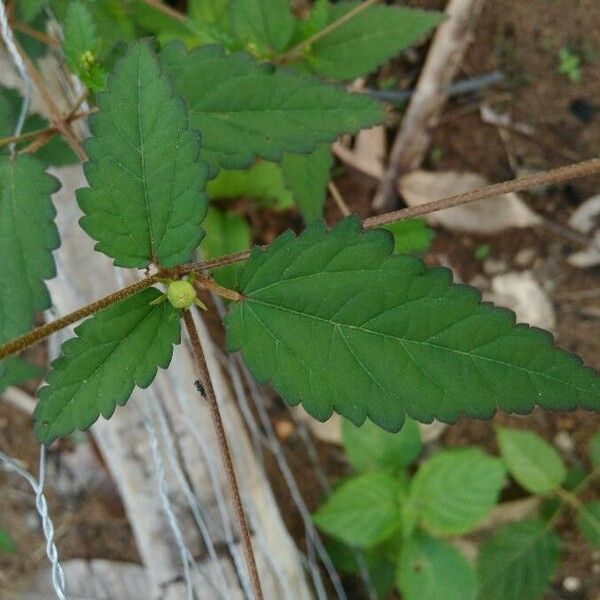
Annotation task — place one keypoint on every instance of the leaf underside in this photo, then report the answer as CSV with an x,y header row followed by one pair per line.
x,y
247,110
339,324
145,201
119,348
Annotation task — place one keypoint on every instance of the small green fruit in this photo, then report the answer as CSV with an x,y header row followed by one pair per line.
x,y
181,294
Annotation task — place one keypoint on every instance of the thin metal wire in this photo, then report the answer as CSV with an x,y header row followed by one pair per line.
x,y
191,498
311,533
17,59
58,575
186,556
211,465
314,544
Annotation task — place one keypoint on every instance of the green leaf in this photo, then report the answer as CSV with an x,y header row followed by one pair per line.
x,y
27,238
575,476
17,371
317,19
338,323
369,447
363,511
227,233
588,520
518,561
381,570
262,181
435,570
306,176
145,201
7,544
112,20
30,9
454,491
9,112
534,463
412,236
368,39
119,348
210,11
595,450
210,22
246,110
264,26
81,46
55,152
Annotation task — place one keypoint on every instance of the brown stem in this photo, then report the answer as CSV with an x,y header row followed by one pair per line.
x,y
338,199
36,35
589,167
207,391
48,134
208,284
40,333
53,109
47,131
582,169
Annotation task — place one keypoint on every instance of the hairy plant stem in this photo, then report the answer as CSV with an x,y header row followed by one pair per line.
x,y
41,333
206,283
52,107
36,35
207,391
582,169
46,132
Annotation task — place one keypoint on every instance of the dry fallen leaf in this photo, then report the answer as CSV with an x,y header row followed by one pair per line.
x,y
524,295
485,216
370,149
586,219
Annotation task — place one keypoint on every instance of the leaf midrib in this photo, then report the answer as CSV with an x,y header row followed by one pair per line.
x,y
340,325
153,254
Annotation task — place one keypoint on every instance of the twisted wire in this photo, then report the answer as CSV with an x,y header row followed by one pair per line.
x,y
58,575
8,39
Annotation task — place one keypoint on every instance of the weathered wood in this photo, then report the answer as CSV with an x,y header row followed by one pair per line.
x,y
447,50
84,275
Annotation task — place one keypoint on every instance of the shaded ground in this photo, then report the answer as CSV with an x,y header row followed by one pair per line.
x,y
522,39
